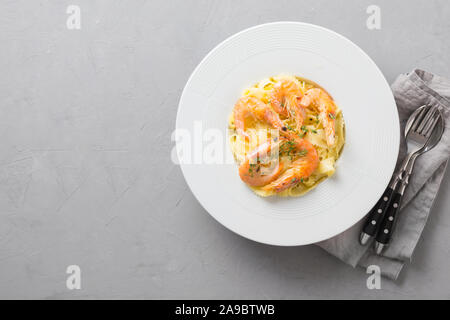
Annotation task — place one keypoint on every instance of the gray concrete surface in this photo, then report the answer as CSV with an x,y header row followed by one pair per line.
x,y
85,172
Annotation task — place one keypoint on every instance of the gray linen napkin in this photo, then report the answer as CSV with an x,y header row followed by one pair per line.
x,y
410,91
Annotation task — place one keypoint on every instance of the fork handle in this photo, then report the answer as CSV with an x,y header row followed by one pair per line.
x,y
375,216
387,225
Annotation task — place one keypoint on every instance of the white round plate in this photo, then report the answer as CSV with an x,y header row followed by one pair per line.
x,y
358,87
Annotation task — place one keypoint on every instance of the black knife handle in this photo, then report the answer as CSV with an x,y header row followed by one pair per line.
x,y
388,223
376,214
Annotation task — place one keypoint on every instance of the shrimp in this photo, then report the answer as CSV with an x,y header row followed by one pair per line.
x,y
327,109
301,168
254,172
284,99
250,106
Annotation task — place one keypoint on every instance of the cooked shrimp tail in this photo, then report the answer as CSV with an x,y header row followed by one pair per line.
x,y
253,107
285,100
327,109
301,168
259,167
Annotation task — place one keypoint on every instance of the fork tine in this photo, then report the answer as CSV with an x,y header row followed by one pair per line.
x,y
413,117
426,119
430,126
427,124
418,119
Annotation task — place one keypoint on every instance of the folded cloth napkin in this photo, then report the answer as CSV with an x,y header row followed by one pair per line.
x,y
411,91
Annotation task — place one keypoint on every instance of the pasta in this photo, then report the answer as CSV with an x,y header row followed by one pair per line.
x,y
312,129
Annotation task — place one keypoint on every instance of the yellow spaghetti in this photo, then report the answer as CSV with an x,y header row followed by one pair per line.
x,y
277,116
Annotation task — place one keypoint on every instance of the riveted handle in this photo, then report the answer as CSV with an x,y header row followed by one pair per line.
x,y
376,214
388,223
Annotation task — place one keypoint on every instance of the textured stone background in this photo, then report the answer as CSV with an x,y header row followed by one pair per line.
x,y
85,171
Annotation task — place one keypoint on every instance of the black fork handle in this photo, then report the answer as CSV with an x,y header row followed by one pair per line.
x,y
375,216
388,223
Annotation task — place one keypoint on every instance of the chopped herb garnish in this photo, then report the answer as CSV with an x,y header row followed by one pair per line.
x,y
314,131
331,115
301,180
302,153
303,128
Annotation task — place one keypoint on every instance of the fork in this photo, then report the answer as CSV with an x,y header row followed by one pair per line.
x,y
417,133
418,137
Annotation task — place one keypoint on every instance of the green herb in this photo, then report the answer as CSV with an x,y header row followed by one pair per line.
x,y
302,153
301,180
303,128
314,131
331,115
287,148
